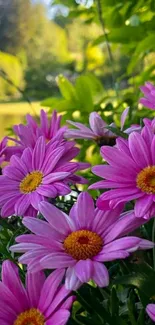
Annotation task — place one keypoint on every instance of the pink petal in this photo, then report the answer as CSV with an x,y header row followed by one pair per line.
x,y
60,296
52,159
107,257
24,247
139,150
84,270
97,124
84,209
47,190
38,155
49,290
120,227
55,217
35,199
114,173
100,275
9,299
121,244
39,227
114,158
56,261
142,205
145,244
8,208
124,116
54,177
59,318
11,279
44,121
34,284
104,219
147,103
150,309
68,303
22,204
71,280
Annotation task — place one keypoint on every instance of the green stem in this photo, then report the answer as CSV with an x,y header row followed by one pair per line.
x,y
111,60
153,239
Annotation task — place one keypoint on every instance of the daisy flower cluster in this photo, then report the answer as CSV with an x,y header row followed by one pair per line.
x,y
76,247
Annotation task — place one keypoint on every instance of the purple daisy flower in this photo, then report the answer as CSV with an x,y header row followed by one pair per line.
x,y
42,301
80,242
49,129
130,173
41,173
149,92
98,130
150,309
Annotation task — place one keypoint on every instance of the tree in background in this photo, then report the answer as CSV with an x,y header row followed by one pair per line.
x,y
15,25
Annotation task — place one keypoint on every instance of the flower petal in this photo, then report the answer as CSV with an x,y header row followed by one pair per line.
x,y
84,270
34,284
59,318
84,209
142,205
56,261
139,150
97,124
100,275
107,257
49,289
71,280
55,217
150,309
11,279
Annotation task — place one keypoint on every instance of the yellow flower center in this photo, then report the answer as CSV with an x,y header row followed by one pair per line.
x,y
30,317
83,244
146,180
30,182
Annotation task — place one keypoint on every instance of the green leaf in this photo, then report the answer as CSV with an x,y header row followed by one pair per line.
x,y
117,132
123,35
84,94
50,102
147,44
66,88
142,277
114,302
131,308
141,318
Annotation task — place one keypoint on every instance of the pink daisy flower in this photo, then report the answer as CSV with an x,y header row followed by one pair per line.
x,y
98,130
149,92
130,173
41,173
49,129
150,309
42,301
80,242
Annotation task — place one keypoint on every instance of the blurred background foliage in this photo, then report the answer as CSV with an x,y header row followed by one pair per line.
x,y
113,40
77,56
